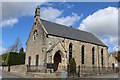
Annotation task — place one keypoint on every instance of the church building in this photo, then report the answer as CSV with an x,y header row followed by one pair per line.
x,y
52,45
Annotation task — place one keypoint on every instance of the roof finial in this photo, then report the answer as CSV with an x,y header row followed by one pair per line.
x,y
37,12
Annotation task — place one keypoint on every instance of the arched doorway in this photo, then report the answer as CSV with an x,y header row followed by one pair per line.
x,y
57,60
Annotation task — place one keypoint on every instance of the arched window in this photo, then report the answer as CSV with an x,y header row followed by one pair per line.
x,y
37,59
93,56
70,52
35,35
29,60
102,57
82,54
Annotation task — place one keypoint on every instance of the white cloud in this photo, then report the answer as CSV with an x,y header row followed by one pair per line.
x,y
16,9
103,22
54,15
11,11
69,20
8,22
50,13
2,50
116,48
114,40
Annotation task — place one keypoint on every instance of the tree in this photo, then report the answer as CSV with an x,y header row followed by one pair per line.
x,y
118,56
10,49
72,66
16,46
21,50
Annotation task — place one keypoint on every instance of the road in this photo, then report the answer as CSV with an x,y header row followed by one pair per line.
x,y
4,74
113,75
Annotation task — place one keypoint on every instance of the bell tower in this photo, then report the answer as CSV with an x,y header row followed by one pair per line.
x,y
37,13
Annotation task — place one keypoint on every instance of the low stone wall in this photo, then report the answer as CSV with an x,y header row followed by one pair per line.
x,y
44,75
16,68
22,69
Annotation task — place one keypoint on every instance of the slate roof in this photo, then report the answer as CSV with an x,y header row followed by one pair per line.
x,y
71,33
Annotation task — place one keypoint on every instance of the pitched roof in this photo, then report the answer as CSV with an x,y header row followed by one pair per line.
x,y
71,33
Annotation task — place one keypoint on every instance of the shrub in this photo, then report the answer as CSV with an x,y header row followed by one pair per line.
x,y
72,66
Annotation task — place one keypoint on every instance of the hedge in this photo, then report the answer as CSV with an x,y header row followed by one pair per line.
x,y
13,58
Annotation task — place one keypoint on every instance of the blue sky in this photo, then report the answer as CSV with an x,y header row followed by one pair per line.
x,y
99,18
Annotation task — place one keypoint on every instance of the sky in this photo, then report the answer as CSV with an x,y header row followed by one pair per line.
x,y
99,18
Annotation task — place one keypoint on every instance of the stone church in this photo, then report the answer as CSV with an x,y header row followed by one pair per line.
x,y
54,45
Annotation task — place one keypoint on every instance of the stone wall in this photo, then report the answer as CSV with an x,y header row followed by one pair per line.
x,y
36,47
64,45
112,60
16,68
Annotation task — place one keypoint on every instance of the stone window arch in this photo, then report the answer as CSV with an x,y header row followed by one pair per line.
x,y
93,56
35,35
37,60
70,51
102,57
82,54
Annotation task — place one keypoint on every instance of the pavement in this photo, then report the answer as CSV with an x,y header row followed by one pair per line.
x,y
112,75
5,74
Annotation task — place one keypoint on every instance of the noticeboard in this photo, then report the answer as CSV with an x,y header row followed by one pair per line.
x,y
49,65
